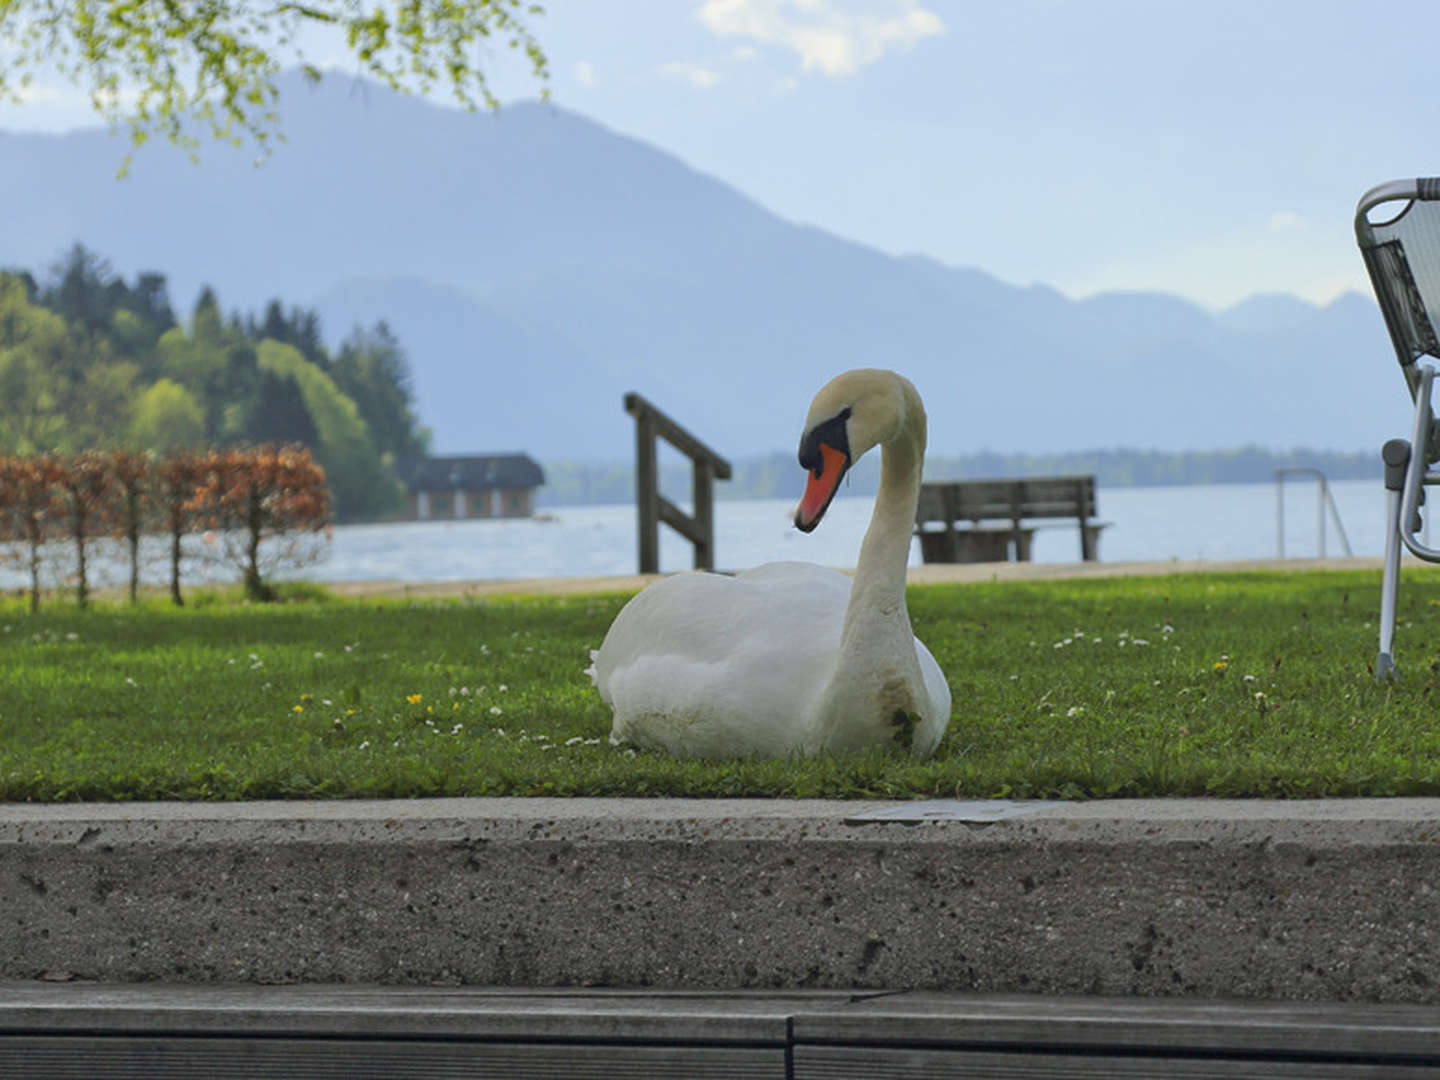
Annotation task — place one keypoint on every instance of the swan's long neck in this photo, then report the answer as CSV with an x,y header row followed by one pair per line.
x,y
876,686
877,599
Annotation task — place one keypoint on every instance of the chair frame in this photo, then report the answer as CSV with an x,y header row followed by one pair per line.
x,y
1407,463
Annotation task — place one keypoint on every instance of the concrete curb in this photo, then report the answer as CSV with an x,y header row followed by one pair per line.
x,y
1328,900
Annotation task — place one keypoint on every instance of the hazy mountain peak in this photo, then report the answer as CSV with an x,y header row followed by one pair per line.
x,y
536,265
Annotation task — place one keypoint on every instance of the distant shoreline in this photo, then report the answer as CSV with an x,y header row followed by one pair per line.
x,y
777,475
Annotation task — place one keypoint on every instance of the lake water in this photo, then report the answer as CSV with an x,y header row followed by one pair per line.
x,y
1201,522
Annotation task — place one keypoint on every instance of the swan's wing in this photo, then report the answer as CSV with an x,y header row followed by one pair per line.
x,y
700,660
937,716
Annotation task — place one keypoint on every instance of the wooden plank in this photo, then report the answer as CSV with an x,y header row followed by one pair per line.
x,y
1029,497
1155,1025
677,519
262,1058
845,1063
496,1014
675,435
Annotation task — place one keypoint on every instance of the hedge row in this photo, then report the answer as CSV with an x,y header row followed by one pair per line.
x,y
247,496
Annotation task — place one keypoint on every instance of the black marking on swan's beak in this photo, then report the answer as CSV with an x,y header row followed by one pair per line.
x,y
825,455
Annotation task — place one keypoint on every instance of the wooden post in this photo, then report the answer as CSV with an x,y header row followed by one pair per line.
x,y
647,487
652,508
702,483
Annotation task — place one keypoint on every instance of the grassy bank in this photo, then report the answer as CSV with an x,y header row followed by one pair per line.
x,y
1251,684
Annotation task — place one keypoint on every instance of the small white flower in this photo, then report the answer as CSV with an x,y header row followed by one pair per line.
x,y
254,657
364,744
326,701
1248,678
1167,629
1074,710
72,636
503,688
129,681
1139,641
464,691
319,656
495,710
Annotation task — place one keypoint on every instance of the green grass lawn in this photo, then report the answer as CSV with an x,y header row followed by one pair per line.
x,y
1254,684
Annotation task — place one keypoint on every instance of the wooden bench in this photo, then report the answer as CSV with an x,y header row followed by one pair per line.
x,y
962,507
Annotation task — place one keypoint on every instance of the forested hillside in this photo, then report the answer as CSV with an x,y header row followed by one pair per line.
x,y
90,361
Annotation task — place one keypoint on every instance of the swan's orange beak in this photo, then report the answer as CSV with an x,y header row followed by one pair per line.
x,y
821,483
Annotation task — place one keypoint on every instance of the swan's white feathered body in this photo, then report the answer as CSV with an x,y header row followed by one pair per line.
x,y
791,657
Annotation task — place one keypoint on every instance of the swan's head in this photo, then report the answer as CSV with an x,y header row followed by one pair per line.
x,y
850,414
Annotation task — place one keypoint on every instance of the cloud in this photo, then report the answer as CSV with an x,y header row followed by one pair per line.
x,y
697,75
585,73
827,39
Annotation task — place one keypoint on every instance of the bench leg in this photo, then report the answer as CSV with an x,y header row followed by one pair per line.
x,y
1396,456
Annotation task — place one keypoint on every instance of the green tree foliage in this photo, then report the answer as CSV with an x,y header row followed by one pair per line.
x,y
361,483
278,413
167,417
373,370
89,361
33,347
178,67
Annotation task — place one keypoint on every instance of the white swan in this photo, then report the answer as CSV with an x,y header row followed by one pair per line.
x,y
792,658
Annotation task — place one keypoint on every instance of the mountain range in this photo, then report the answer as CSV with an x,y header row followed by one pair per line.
x,y
536,266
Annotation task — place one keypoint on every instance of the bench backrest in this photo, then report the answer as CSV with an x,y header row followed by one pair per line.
x,y
1401,248
1012,500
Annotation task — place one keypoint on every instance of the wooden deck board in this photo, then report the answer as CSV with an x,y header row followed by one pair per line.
x,y
112,1030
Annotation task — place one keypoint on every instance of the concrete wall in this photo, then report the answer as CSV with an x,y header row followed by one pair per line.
x,y
1323,901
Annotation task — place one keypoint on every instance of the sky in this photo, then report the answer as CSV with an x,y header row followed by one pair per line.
x,y
1212,150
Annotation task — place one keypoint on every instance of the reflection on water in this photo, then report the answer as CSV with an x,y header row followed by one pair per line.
x,y
1206,522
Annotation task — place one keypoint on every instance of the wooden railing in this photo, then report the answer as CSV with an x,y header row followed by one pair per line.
x,y
652,507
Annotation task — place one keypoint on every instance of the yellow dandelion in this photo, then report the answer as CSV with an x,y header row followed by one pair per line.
x,y
414,699
297,708
1220,665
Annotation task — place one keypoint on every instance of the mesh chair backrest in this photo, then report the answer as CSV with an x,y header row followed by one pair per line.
x,y
1402,255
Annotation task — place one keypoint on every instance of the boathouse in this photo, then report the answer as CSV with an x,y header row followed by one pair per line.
x,y
488,486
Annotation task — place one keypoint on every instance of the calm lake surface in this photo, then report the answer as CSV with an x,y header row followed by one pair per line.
x,y
1212,522
1202,522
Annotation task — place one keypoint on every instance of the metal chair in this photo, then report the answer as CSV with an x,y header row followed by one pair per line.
x,y
1398,228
